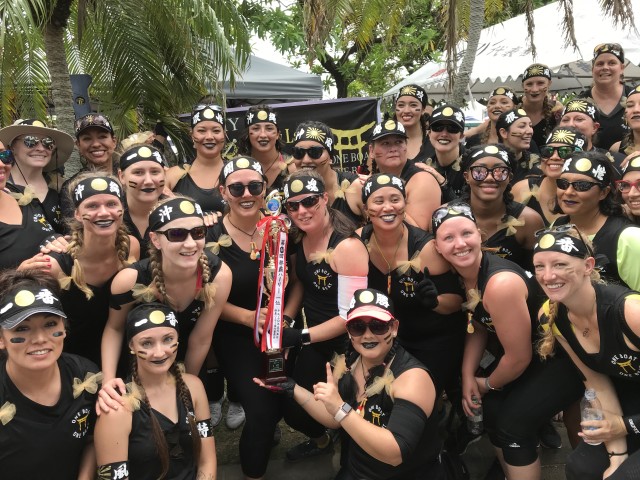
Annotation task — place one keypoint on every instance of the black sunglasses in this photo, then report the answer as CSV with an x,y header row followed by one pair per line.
x,y
579,186
181,234
31,141
357,327
563,152
237,189
625,186
6,157
307,202
314,152
449,127
480,173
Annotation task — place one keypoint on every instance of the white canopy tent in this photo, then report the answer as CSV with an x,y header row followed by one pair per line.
x,y
503,53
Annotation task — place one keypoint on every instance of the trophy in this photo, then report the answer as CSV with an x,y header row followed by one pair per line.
x,y
273,280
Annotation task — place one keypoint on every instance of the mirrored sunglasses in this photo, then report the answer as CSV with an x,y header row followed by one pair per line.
x,y
357,327
181,234
6,157
237,189
564,152
30,141
442,212
307,202
480,173
314,152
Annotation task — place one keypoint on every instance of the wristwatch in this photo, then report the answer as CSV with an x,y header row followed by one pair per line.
x,y
305,336
342,412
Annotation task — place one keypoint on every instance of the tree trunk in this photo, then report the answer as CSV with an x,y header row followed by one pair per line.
x,y
61,92
476,22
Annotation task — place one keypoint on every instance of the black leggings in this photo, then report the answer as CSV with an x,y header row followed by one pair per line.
x,y
241,361
513,416
309,370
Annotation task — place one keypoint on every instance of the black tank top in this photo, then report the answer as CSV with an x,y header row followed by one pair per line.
x,y
417,327
533,202
20,242
86,318
209,199
50,207
507,245
375,411
452,189
615,358
144,462
245,279
426,151
341,204
188,317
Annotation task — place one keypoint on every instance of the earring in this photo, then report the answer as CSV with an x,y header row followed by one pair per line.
x,y
132,352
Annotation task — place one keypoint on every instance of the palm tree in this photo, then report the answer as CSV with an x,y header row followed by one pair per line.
x,y
149,59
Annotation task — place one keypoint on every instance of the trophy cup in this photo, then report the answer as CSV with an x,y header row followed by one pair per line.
x,y
273,275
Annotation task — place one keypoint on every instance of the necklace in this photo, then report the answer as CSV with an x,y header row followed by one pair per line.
x,y
272,163
363,402
393,259
255,253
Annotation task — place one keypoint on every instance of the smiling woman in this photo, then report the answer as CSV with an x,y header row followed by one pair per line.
x,y
45,395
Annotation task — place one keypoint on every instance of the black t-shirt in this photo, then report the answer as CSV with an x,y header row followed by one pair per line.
x,y
42,442
612,125
50,207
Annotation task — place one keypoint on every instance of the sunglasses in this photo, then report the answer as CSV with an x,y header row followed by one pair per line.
x,y
449,127
238,189
31,141
442,212
563,152
625,186
579,186
307,202
314,152
6,157
181,234
480,173
202,106
357,327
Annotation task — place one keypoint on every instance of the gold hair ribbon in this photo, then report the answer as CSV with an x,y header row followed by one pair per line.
x,y
343,188
146,293
510,224
25,197
223,241
414,263
534,159
133,397
385,381
339,364
473,299
318,257
90,384
7,412
456,164
532,193
65,282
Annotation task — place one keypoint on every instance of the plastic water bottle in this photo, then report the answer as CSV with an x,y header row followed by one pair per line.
x,y
591,409
474,422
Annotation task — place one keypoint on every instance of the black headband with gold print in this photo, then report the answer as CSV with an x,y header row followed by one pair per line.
x,y
536,70
559,240
241,163
141,153
301,185
175,208
379,181
415,91
589,166
150,315
261,116
207,113
96,186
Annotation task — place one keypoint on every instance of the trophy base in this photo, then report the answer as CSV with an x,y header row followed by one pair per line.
x,y
274,367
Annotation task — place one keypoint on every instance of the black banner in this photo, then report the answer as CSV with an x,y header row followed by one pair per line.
x,y
350,119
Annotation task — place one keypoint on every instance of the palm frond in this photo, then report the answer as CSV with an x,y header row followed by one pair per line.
x,y
621,11
568,27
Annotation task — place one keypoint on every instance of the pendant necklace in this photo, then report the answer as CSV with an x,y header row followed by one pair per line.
x,y
393,259
255,253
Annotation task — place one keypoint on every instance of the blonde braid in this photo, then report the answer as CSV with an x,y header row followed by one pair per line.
x,y
123,245
77,273
187,402
547,343
207,293
155,261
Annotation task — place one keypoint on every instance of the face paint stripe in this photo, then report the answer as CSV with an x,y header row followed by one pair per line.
x,y
18,340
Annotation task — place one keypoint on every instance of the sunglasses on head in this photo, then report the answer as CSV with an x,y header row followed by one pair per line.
x,y
442,212
314,152
449,127
31,141
237,189
307,202
564,152
6,157
579,186
357,327
480,173
625,186
202,106
181,234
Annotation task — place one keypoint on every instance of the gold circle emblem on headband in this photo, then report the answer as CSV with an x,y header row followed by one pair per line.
x,y
547,241
297,186
383,179
583,165
447,112
156,317
144,152
491,149
99,184
262,115
187,207
390,125
366,297
242,163
24,298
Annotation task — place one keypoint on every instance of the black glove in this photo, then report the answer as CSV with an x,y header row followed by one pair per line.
x,y
285,387
427,291
291,337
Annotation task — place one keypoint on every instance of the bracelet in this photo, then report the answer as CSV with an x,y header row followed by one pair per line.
x,y
614,454
488,385
631,423
306,400
443,184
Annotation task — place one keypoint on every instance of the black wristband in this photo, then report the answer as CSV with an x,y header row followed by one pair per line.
x,y
114,471
632,424
205,428
289,322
